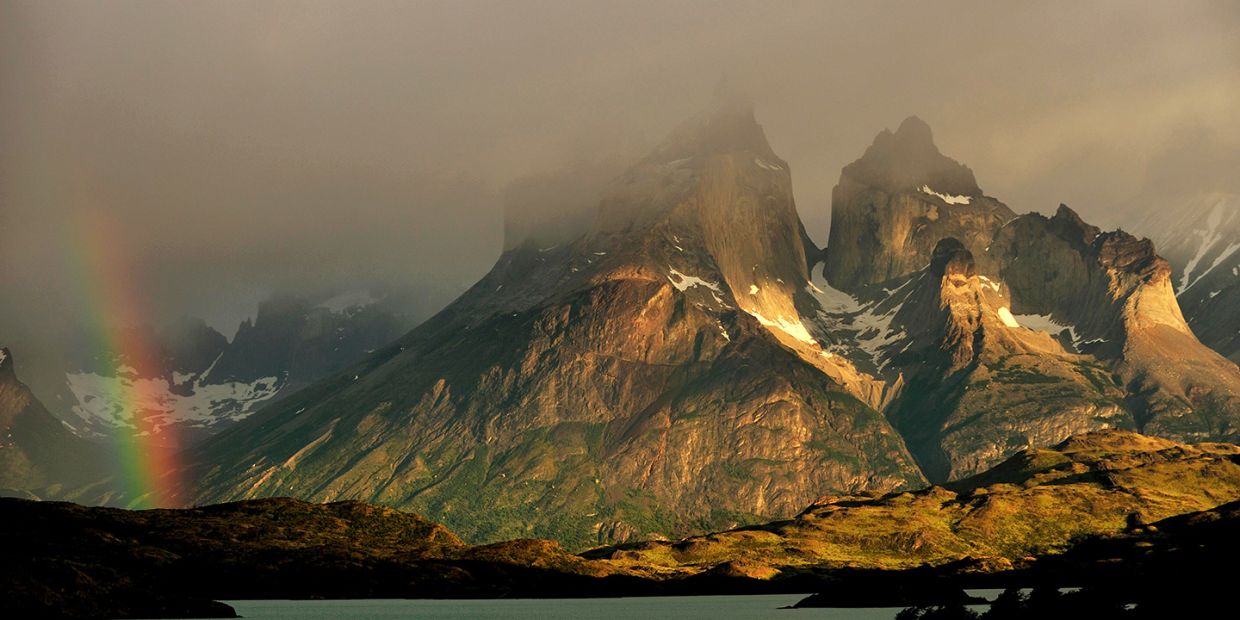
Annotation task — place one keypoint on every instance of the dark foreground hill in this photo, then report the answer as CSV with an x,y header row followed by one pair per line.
x,y
1068,512
75,561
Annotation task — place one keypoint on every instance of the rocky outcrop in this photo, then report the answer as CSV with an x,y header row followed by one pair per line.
x,y
892,206
660,374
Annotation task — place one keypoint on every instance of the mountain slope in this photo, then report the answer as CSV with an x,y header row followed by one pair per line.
x,y
39,456
652,377
978,385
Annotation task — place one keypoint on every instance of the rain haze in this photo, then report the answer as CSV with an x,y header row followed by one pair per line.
x,y
232,150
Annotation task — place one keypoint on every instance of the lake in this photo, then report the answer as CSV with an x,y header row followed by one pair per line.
x,y
645,608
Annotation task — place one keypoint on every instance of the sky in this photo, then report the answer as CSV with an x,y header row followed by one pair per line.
x,y
224,151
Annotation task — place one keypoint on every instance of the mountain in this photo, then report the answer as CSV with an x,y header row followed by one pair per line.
x,y
686,360
39,455
649,377
1000,332
193,382
1199,234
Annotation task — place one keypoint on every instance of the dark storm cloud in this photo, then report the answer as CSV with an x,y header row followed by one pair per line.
x,y
245,147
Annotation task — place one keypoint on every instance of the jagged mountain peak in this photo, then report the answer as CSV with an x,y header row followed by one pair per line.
x,y
1069,225
729,126
896,202
908,159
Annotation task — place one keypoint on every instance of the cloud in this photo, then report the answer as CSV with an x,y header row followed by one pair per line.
x,y
249,147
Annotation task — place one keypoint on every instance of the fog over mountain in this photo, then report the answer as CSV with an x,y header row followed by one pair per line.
x,y
240,149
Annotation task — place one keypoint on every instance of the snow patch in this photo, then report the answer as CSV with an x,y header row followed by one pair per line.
x,y
1005,315
753,289
792,327
1231,249
766,165
828,297
113,401
683,282
1210,236
991,284
950,199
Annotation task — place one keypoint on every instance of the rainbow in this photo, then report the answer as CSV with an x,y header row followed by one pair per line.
x,y
147,458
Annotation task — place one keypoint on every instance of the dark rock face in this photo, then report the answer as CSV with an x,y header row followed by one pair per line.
x,y
653,377
892,206
302,341
38,454
70,561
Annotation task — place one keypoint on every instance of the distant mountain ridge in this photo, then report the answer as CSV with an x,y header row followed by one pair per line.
x,y
195,381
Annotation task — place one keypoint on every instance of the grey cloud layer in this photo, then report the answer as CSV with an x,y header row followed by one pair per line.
x,y
249,147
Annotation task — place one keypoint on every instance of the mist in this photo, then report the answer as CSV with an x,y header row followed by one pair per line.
x,y
240,149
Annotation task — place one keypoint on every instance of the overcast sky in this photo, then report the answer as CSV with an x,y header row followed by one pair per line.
x,y
239,148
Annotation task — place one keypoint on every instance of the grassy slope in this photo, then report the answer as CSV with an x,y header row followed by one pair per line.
x,y
1037,502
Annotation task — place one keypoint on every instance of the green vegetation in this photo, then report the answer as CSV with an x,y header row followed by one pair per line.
x,y
1036,503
